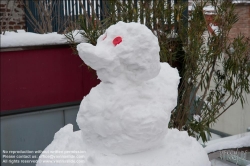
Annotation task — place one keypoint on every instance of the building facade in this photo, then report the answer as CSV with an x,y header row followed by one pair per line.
x,y
243,24
12,15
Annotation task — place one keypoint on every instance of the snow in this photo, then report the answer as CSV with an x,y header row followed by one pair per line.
x,y
136,57
22,38
215,28
178,149
236,141
197,118
209,8
131,106
190,8
135,101
124,120
240,1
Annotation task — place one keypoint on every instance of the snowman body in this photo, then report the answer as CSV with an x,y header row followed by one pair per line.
x,y
124,120
129,111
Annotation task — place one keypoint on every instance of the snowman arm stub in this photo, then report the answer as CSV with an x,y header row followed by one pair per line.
x,y
91,57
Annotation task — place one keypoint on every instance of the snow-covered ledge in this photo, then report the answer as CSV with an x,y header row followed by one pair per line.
x,y
236,141
233,149
241,2
25,39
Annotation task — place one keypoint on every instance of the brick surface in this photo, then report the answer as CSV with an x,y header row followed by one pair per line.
x,y
4,10
20,6
12,23
243,25
21,23
13,17
17,27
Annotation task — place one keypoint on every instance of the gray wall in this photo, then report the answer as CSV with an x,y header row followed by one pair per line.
x,y
34,131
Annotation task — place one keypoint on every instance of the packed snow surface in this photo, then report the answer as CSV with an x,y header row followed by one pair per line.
x,y
124,120
136,58
178,149
209,8
129,110
129,117
236,141
22,38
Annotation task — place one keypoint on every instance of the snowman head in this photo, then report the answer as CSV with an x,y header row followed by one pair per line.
x,y
128,50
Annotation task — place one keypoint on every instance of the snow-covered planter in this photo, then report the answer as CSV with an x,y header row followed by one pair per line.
x,y
234,149
25,39
39,70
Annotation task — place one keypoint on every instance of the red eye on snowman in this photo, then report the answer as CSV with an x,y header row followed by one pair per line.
x,y
117,40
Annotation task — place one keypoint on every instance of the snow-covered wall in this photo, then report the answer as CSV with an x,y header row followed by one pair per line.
x,y
22,38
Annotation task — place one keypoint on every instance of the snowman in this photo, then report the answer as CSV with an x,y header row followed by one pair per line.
x,y
129,111
124,120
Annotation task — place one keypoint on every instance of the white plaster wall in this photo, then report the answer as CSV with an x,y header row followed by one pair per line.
x,y
235,120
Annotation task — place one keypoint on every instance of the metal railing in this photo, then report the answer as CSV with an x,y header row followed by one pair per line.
x,y
58,13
